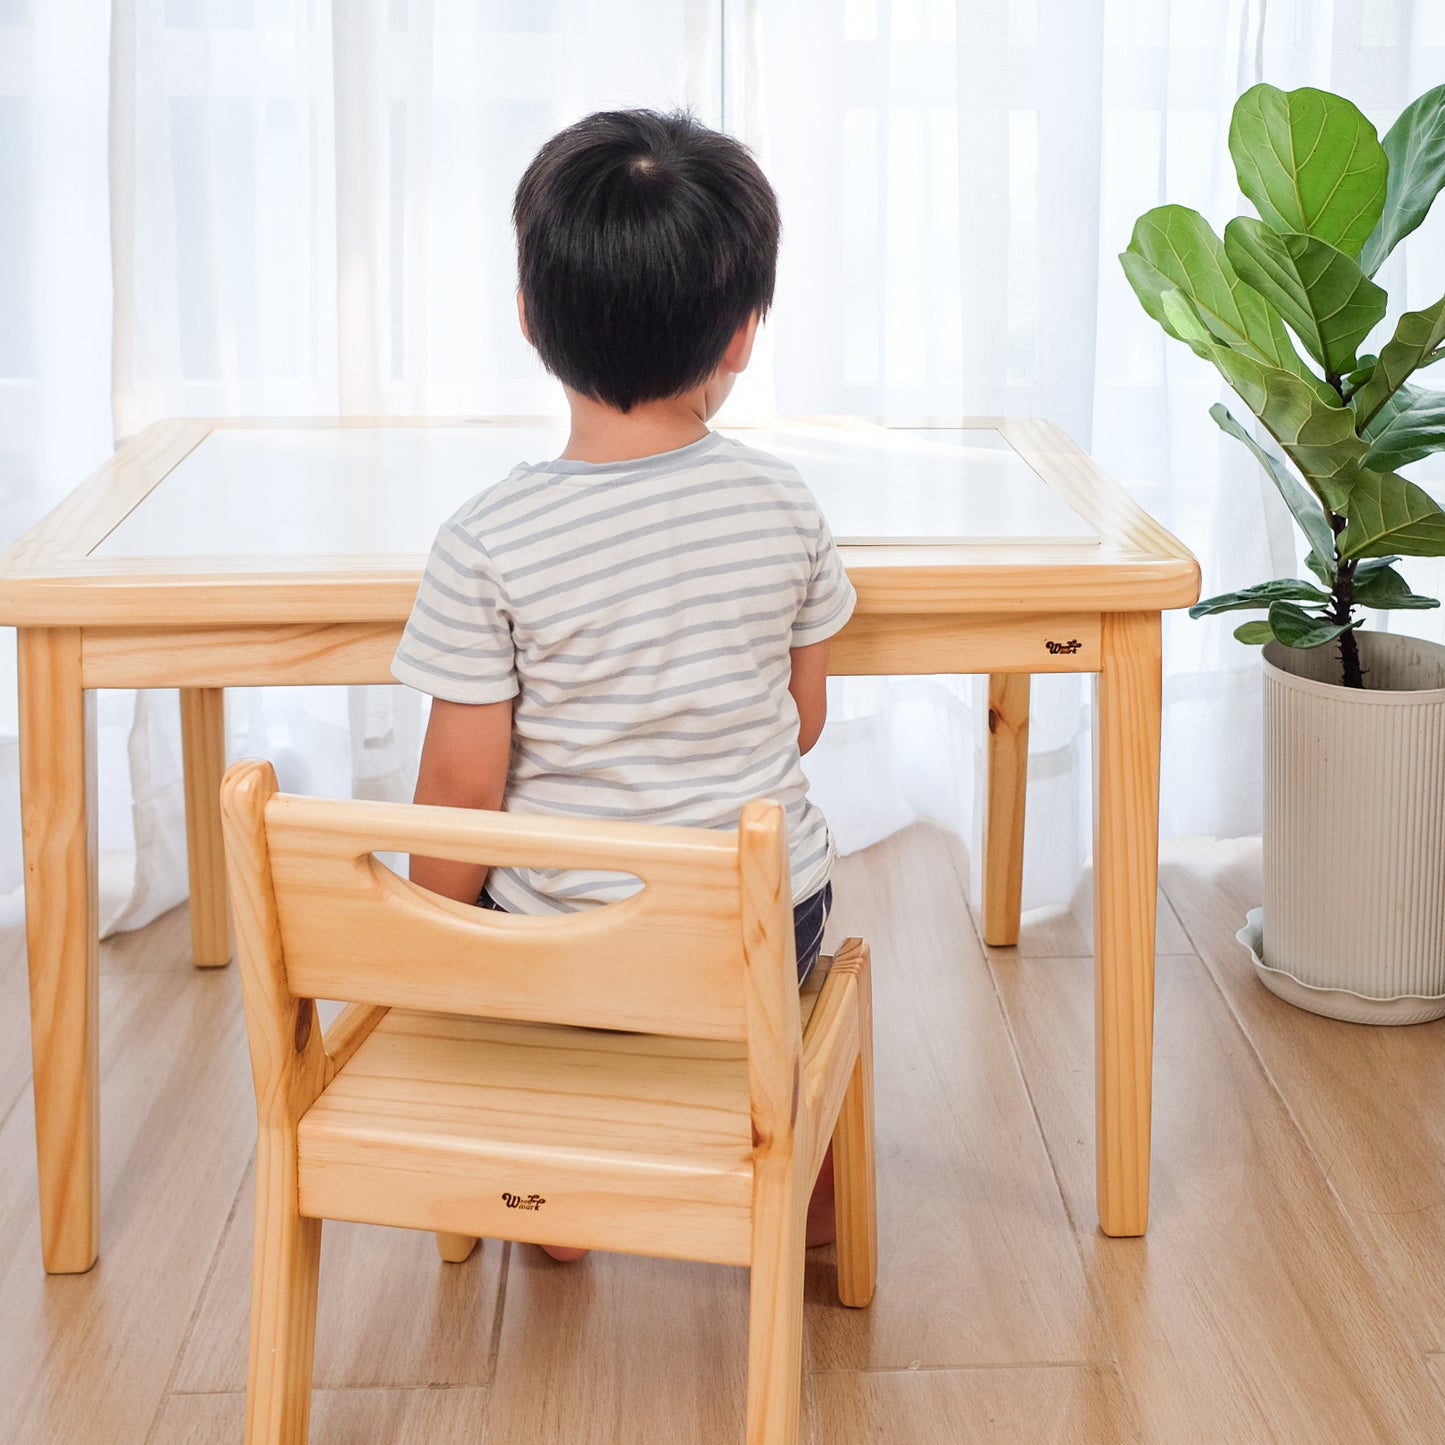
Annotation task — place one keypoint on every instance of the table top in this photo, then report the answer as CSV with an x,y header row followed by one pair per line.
x,y
300,520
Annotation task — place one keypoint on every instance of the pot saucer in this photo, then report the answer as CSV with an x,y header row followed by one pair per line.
x,y
1335,1003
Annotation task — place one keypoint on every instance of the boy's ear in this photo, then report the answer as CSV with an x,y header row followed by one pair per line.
x,y
740,348
522,318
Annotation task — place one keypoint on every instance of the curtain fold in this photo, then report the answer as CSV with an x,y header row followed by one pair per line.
x,y
279,207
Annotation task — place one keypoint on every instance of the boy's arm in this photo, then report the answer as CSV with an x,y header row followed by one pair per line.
x,y
809,686
463,765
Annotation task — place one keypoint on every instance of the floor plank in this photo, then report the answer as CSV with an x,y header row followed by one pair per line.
x,y
976,1262
389,1312
1064,1405
1287,1290
1369,1101
1067,930
89,1357
338,1417
1247,1314
617,1349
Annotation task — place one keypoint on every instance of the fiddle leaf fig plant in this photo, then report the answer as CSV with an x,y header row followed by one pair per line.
x,y
1333,201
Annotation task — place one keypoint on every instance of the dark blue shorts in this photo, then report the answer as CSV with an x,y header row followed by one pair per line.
x,y
809,918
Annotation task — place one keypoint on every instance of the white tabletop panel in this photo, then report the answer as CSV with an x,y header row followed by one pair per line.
x,y
352,491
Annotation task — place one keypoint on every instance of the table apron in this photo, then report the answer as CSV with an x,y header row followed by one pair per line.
x,y
279,655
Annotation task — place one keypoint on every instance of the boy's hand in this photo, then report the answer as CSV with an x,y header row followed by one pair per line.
x,y
809,686
463,765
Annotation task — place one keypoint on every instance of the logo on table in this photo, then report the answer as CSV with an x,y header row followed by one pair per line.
x,y
523,1201
1071,646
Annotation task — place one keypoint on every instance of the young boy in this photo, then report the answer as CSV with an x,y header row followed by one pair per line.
x,y
638,629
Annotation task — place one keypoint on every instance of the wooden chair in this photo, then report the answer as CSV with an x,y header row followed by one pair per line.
x,y
473,1088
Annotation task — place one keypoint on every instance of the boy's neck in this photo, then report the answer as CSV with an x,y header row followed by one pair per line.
x,y
601,433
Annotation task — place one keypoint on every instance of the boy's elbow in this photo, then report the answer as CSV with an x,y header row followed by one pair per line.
x,y
810,727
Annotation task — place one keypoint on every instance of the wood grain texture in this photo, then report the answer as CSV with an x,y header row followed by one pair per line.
x,y
1051,641
49,578
388,1313
1369,1102
256,655
203,747
339,1417
854,1152
664,1144
1067,1405
615,967
90,1358
1249,1314
1072,474
282,655
977,1265
58,834
1270,1302
1126,860
619,1349
212,622
1003,814
94,509
288,1066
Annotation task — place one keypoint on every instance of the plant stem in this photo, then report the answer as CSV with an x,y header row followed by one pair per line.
x,y
1342,597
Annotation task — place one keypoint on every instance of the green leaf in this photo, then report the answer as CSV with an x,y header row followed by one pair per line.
x,y
1389,514
1368,566
1409,426
1284,589
1318,436
1173,247
1310,162
1383,588
1304,508
1417,334
1364,370
1320,292
1297,628
1254,633
1415,147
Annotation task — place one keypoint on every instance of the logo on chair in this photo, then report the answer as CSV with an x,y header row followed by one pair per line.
x,y
1072,645
523,1201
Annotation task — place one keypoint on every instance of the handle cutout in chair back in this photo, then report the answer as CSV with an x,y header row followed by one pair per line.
x,y
668,959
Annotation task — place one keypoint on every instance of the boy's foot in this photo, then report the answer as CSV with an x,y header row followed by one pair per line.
x,y
564,1253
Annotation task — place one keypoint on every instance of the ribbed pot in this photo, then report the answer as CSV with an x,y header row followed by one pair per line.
x,y
1354,831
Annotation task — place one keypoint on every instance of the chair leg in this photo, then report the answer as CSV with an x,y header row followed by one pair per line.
x,y
854,1170
454,1248
856,1200
284,1273
775,1314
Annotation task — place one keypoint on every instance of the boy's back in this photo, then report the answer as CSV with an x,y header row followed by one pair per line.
x,y
643,615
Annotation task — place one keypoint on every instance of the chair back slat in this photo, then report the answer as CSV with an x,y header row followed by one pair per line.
x,y
668,960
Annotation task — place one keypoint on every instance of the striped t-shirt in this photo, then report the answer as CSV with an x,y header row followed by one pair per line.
x,y
641,614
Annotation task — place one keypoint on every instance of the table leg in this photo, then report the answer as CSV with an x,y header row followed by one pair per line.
x,y
1126,870
57,793
1003,819
203,747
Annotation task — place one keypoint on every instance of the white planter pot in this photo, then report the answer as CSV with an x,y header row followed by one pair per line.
x,y
1354,832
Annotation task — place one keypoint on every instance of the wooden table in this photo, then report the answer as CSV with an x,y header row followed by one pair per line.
x,y
209,555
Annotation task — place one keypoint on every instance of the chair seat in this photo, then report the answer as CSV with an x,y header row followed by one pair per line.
x,y
555,1135
535,1132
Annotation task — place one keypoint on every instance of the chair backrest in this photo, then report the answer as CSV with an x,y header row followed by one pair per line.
x,y
704,950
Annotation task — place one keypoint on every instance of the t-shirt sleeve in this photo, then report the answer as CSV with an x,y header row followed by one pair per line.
x,y
830,598
458,640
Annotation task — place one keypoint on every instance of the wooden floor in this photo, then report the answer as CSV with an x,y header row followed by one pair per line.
x,y
1291,1287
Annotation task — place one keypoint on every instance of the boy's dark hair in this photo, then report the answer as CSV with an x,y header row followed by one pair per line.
x,y
643,242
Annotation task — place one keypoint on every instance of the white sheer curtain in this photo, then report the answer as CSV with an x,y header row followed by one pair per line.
x,y
284,206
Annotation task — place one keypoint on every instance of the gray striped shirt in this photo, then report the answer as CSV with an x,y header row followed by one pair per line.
x,y
641,614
